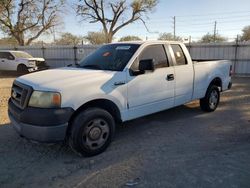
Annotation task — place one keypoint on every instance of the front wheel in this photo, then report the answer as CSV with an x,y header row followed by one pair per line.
x,y
22,69
211,100
91,131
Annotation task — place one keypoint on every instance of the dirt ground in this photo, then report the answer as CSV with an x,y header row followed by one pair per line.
x,y
6,80
180,147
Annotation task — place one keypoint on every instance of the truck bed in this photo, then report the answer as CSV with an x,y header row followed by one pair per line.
x,y
204,69
202,60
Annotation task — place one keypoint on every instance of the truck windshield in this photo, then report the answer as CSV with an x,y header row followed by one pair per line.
x,y
21,55
112,57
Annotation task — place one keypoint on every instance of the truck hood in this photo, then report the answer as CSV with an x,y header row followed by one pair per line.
x,y
36,59
59,79
32,59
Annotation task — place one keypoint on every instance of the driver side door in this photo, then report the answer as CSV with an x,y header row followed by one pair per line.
x,y
151,91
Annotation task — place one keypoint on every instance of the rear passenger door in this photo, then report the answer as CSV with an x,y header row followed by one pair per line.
x,y
6,61
183,75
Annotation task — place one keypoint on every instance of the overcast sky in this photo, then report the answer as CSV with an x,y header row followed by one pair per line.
x,y
193,18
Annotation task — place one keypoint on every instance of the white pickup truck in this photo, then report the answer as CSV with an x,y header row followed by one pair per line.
x,y
116,83
20,61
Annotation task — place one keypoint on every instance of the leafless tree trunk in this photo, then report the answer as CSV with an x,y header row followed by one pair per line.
x,y
96,11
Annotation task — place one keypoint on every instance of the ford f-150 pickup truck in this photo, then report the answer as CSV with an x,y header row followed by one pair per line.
x,y
116,83
20,61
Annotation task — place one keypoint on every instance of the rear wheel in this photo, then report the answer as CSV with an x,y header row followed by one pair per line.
x,y
91,131
210,102
22,69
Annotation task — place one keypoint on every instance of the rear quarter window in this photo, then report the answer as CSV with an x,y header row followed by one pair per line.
x,y
179,54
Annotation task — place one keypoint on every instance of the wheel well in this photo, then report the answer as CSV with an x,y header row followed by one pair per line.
x,y
100,103
217,82
21,65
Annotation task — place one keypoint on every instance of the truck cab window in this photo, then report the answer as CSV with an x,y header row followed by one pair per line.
x,y
10,56
179,54
6,55
156,52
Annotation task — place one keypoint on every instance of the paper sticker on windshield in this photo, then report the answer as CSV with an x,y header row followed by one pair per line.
x,y
122,47
106,54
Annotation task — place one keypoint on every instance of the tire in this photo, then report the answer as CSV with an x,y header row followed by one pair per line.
x,y
22,69
92,131
211,100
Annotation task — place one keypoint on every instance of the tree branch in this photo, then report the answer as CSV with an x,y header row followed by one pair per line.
x,y
33,17
117,12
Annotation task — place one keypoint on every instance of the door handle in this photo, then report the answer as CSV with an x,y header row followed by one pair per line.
x,y
170,77
119,83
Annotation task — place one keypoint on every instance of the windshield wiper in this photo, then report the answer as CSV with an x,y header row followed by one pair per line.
x,y
92,67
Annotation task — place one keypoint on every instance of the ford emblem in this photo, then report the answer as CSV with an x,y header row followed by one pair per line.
x,y
14,94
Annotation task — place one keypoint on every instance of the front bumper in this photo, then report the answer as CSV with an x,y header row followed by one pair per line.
x,y
40,133
37,68
43,125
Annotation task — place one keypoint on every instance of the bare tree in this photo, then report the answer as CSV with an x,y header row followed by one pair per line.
x,y
246,34
210,38
169,36
129,38
95,38
114,15
8,41
26,20
69,39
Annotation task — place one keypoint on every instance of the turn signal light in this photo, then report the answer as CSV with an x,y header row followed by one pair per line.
x,y
56,100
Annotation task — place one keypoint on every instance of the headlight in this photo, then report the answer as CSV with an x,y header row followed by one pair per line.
x,y
31,63
45,99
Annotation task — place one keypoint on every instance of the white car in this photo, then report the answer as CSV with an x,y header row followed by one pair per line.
x,y
117,83
20,61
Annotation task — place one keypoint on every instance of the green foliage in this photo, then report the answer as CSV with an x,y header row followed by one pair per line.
x,y
169,36
130,38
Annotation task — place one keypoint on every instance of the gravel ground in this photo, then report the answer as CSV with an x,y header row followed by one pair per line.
x,y
181,147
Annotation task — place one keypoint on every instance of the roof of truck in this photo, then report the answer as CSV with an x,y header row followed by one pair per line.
x,y
11,51
148,42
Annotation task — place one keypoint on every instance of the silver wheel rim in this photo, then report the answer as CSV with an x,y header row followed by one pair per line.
x,y
96,133
213,99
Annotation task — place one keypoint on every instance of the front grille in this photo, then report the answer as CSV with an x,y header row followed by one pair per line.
x,y
20,94
40,63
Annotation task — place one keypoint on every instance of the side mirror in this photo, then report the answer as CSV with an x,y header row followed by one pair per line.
x,y
146,65
143,65
77,64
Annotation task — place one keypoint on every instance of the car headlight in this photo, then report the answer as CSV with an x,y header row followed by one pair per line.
x,y
45,99
31,63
